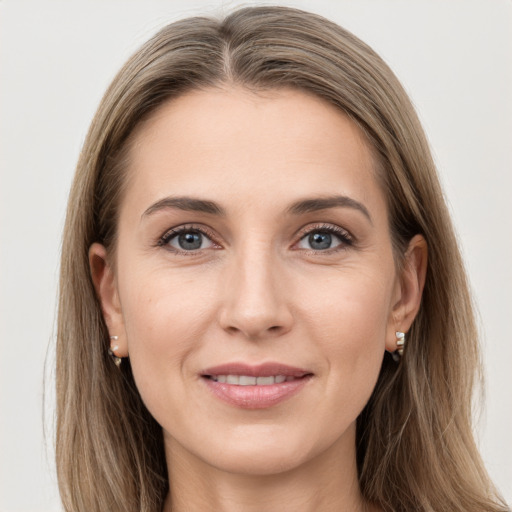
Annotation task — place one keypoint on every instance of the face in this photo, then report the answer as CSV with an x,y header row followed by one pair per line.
x,y
255,290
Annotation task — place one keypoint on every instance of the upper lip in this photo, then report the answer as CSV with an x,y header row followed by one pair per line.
x,y
258,370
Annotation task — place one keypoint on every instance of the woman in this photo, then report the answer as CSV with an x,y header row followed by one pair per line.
x,y
260,223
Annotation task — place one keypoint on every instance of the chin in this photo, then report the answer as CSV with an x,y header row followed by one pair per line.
x,y
260,460
263,450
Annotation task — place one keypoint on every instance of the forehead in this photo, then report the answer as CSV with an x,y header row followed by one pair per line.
x,y
274,145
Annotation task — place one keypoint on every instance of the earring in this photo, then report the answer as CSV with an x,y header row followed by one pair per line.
x,y
400,342
112,352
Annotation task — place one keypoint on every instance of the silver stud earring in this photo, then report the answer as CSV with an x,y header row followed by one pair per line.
x,y
400,342
111,351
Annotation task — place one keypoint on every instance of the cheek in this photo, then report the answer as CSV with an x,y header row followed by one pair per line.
x,y
163,310
351,308
348,317
165,320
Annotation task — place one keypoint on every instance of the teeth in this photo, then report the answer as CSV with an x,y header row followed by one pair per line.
x,y
265,381
247,380
243,380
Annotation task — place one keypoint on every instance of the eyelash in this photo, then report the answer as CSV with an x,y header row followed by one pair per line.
x,y
343,235
187,228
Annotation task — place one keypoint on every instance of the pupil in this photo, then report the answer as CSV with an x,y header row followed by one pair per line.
x,y
190,241
320,240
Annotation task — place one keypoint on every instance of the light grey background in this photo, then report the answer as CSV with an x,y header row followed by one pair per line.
x,y
56,59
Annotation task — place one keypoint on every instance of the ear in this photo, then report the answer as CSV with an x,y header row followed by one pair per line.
x,y
105,285
409,289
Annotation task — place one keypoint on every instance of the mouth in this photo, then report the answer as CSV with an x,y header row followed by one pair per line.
x,y
255,387
249,380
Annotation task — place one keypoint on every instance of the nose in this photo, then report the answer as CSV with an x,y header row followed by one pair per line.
x,y
256,304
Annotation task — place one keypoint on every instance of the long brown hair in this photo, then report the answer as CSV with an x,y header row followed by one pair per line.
x,y
415,444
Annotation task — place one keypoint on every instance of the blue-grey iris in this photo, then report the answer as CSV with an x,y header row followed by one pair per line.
x,y
190,241
319,241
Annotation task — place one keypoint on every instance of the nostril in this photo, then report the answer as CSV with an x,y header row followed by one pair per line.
x,y
255,321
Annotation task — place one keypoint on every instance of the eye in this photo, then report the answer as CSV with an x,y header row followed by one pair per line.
x,y
189,241
186,240
324,239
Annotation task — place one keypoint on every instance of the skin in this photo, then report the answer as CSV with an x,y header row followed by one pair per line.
x,y
257,291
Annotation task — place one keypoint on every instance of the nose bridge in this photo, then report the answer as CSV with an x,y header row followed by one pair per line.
x,y
256,303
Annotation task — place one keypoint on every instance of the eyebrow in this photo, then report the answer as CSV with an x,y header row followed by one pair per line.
x,y
189,204
301,207
324,203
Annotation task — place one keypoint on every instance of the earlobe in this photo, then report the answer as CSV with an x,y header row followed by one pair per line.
x,y
103,278
411,284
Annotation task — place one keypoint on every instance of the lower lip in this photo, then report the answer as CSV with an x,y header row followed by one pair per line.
x,y
256,397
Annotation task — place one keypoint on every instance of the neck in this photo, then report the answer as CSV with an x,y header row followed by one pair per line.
x,y
326,483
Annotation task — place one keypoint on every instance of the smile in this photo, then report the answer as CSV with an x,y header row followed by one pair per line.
x,y
255,387
249,380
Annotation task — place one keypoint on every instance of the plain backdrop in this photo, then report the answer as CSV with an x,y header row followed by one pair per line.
x,y
57,58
